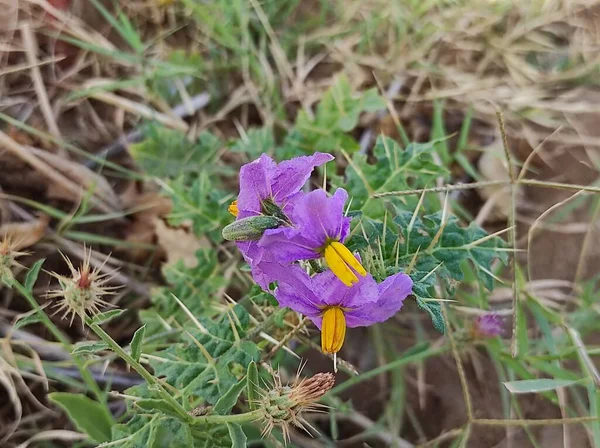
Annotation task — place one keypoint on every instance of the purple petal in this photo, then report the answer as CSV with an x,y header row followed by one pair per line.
x,y
291,175
319,217
293,288
333,292
263,178
286,245
255,185
395,287
392,292
250,250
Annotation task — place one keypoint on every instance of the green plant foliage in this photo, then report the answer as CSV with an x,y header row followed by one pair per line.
x,y
394,169
200,364
428,249
33,274
238,438
200,203
169,153
194,287
336,115
152,431
88,415
256,142
89,347
136,342
159,431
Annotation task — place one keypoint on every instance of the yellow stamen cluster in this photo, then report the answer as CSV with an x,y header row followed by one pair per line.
x,y
233,208
333,330
342,263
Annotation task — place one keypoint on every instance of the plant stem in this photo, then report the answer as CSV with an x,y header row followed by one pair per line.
x,y
139,368
233,418
59,335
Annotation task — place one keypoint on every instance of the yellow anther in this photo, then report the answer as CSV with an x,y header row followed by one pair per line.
x,y
233,208
333,330
340,260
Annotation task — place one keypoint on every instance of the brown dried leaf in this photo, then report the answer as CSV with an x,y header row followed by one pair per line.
x,y
148,206
25,234
179,243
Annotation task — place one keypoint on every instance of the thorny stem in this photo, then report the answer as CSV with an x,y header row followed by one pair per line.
x,y
461,375
533,422
512,237
490,183
60,337
138,367
233,418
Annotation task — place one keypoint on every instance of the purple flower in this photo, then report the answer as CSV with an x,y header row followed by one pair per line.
x,y
333,306
488,325
318,229
267,187
263,180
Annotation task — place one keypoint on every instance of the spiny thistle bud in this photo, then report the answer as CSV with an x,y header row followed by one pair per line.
x,y
251,228
81,293
283,405
8,257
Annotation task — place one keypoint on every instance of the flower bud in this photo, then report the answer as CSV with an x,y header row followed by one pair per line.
x,y
487,326
251,228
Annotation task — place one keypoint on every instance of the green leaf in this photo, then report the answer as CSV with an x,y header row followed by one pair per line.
x,y
394,169
169,153
256,142
238,437
158,431
435,312
88,415
158,405
32,274
538,385
171,433
228,400
105,317
429,250
193,286
201,364
27,319
89,347
252,385
136,342
161,431
337,113
200,203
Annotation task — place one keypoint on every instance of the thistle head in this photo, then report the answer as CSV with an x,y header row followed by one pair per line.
x,y
284,405
81,293
8,260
